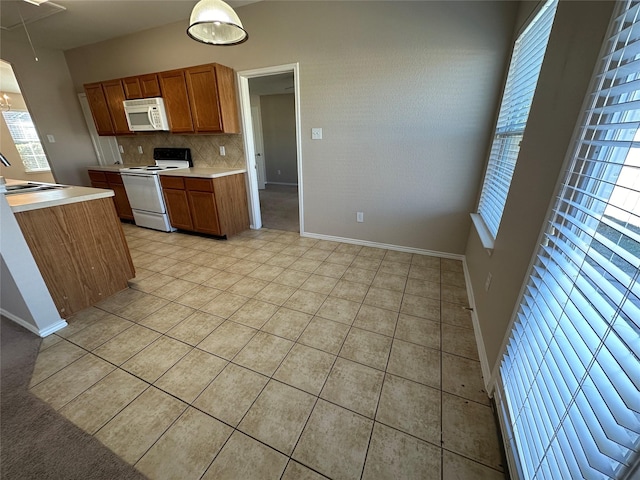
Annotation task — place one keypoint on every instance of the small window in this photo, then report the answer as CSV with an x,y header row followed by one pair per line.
x,y
25,137
524,70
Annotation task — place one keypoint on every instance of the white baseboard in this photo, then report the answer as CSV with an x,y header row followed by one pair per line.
x,y
482,352
397,248
32,328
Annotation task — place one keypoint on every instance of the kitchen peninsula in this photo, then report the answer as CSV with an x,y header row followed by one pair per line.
x,y
76,240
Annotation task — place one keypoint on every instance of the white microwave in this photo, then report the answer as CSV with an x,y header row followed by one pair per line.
x,y
146,114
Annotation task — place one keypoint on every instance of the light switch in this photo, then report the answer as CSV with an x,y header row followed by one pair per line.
x,y
223,152
140,151
316,134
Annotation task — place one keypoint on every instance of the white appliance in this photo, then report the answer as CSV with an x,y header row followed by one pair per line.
x,y
146,114
142,185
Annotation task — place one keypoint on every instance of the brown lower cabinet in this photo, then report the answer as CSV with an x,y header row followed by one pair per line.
x,y
215,206
113,181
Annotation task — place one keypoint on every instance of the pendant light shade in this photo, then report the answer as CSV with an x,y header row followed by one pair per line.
x,y
215,23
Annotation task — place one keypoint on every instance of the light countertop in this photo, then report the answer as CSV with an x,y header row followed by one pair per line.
x,y
23,202
204,172
110,168
198,172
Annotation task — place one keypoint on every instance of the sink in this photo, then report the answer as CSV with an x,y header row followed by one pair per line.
x,y
31,187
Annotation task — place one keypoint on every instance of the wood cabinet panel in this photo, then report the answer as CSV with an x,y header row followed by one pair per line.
x,y
123,207
178,208
150,85
114,92
176,101
80,250
113,181
204,212
231,197
99,108
227,99
142,86
172,182
97,176
198,184
203,98
132,89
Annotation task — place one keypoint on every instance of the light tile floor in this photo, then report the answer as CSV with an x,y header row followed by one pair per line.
x,y
274,356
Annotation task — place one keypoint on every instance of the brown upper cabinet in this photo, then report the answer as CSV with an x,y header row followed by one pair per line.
x,y
176,101
200,99
99,108
105,101
142,86
212,96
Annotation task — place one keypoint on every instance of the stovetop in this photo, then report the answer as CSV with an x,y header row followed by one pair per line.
x,y
152,168
166,159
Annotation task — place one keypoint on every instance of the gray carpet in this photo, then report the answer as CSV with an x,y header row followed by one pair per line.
x,y
35,441
279,207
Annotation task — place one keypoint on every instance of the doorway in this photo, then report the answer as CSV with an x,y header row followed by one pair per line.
x,y
269,100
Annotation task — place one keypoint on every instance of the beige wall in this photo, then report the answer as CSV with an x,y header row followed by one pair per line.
x,y
404,92
54,107
279,135
573,48
9,150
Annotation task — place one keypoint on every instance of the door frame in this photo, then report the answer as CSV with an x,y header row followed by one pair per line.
x,y
247,127
258,141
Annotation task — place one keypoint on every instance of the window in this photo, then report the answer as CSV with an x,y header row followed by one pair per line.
x,y
26,140
570,376
522,78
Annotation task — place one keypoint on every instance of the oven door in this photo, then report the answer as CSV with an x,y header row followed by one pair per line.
x,y
144,192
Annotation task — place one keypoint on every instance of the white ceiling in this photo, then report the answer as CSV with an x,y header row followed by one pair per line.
x,y
83,22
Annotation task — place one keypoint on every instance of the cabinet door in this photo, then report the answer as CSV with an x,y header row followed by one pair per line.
x,y
178,208
227,99
115,96
132,89
121,201
150,85
176,101
99,108
203,98
204,212
96,176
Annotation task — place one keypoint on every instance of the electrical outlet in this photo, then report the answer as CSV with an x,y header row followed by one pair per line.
x,y
223,152
360,217
120,148
51,138
316,134
487,282
140,150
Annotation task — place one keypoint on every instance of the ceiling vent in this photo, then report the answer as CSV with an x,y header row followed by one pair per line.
x,y
12,10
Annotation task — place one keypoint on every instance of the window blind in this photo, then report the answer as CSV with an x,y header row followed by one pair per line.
x,y
570,375
522,78
26,140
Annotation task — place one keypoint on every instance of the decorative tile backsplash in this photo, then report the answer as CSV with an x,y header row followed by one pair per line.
x,y
205,149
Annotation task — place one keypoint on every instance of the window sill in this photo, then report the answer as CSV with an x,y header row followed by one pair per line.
x,y
486,238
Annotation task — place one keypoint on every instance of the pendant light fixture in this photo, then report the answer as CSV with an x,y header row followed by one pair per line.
x,y
216,23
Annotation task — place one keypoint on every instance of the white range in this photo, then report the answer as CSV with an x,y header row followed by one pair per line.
x,y
144,191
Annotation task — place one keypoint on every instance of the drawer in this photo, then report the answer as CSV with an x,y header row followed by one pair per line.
x,y
97,176
172,182
114,178
199,184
